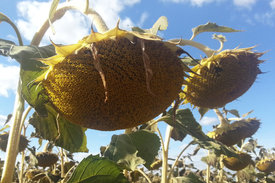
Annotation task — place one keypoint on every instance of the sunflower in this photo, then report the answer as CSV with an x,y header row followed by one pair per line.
x,y
221,78
23,142
266,165
236,131
46,159
115,80
239,163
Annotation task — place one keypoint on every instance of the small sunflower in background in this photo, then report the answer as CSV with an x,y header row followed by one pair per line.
x,y
23,142
266,165
236,164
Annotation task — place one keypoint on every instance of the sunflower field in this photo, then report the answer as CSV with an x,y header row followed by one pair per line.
x,y
131,80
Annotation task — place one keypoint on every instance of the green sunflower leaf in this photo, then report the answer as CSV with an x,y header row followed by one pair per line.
x,y
95,169
234,112
133,149
45,120
177,134
185,122
56,129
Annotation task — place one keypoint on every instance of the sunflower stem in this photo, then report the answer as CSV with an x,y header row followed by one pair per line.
x,y
208,170
97,20
14,136
59,13
221,173
223,122
144,174
62,162
22,127
164,171
14,28
24,116
40,34
21,174
177,159
183,42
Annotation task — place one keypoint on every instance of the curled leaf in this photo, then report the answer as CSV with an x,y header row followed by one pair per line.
x,y
211,27
131,150
161,24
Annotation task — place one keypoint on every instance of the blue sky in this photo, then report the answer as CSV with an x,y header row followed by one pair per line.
x,y
255,17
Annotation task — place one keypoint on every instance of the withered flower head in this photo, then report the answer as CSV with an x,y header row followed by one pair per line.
x,y
222,78
46,159
266,165
239,163
23,142
236,131
114,80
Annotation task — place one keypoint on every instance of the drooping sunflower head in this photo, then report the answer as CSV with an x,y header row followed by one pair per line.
x,y
266,165
114,80
222,78
46,159
239,163
236,131
23,142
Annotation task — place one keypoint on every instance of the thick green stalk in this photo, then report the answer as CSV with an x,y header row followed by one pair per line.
x,y
22,127
164,170
208,174
208,171
221,172
178,157
62,162
14,136
22,170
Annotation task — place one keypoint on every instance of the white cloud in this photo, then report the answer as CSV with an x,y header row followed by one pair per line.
x,y
109,10
142,19
208,120
201,2
244,3
8,78
193,2
73,25
126,23
266,18
272,4
239,3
